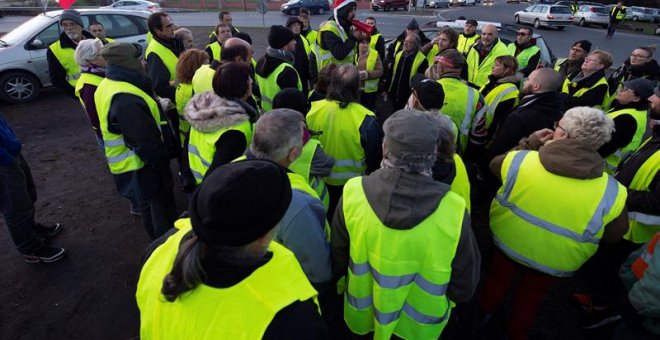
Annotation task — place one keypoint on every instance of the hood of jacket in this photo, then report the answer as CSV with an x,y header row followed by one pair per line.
x,y
513,79
120,73
267,64
571,158
207,112
402,200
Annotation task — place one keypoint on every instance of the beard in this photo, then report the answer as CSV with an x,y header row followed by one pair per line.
x,y
75,36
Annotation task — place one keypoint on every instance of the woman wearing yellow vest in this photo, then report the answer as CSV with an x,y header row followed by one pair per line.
x,y
629,114
221,121
219,275
92,71
555,208
500,92
589,87
370,68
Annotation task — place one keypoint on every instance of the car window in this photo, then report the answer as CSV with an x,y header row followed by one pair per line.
x,y
130,3
119,26
546,58
539,9
601,10
119,4
560,10
530,8
48,36
584,9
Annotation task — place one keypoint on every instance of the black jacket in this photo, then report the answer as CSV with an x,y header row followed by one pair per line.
x,y
626,72
333,43
533,61
535,112
625,127
647,202
130,116
592,97
56,71
157,71
301,63
287,78
392,49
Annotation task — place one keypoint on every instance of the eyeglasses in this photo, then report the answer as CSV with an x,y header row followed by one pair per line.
x,y
557,126
521,34
638,56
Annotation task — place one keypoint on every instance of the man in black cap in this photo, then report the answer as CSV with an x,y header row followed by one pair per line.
x,y
62,67
468,37
275,69
400,223
138,141
301,53
220,275
397,46
572,65
427,94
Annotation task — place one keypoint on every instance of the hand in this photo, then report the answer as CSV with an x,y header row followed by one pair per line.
x,y
165,104
363,75
544,135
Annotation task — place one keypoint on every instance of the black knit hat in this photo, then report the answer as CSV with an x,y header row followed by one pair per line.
x,y
72,15
279,36
585,44
412,25
293,20
240,202
428,91
291,98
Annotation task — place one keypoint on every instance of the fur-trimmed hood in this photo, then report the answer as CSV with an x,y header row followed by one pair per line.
x,y
514,79
208,112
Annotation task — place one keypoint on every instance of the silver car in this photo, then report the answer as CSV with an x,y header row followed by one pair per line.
x,y
23,65
545,15
640,14
134,5
592,15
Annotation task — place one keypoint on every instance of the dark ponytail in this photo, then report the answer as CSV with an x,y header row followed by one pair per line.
x,y
187,272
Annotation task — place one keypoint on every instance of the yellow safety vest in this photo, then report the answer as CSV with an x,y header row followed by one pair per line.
x,y
430,57
568,84
303,166
461,182
558,63
86,78
612,161
478,72
268,86
325,57
461,101
311,37
216,50
371,85
465,43
340,137
182,95
620,15
202,80
643,226
548,222
202,312
120,156
524,55
166,55
373,41
414,69
67,59
498,94
400,291
201,146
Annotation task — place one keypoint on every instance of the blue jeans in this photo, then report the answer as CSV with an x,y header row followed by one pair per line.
x,y
17,197
611,28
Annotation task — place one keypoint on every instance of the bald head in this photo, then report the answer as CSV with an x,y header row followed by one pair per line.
x,y
488,34
233,42
542,80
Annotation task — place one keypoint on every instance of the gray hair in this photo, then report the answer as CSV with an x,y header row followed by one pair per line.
x,y
275,133
181,32
446,138
87,50
588,125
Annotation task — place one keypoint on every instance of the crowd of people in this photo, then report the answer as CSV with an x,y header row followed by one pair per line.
x,y
316,212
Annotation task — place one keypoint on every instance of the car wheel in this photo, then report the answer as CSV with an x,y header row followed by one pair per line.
x,y
582,22
537,23
375,9
321,11
561,28
386,9
517,19
18,87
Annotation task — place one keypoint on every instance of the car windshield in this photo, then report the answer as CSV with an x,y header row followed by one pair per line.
x,y
560,10
600,10
31,26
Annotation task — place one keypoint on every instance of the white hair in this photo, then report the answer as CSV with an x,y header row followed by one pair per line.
x,y
276,132
87,51
588,125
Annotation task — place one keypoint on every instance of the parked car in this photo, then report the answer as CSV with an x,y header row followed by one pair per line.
x,y
314,6
507,33
437,4
656,14
635,13
545,16
387,5
488,2
134,5
510,1
462,2
23,65
592,15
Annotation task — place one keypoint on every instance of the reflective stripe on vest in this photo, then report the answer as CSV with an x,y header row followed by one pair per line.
x,y
202,80
464,43
303,166
340,137
524,55
400,291
460,105
643,226
414,69
166,55
558,63
121,157
201,312
85,79
216,50
268,86
613,160
500,93
642,263
325,57
620,15
568,84
478,71
371,85
202,148
311,37
373,41
554,241
66,57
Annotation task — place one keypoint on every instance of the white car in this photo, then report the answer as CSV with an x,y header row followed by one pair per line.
x,y
134,5
23,65
462,2
545,16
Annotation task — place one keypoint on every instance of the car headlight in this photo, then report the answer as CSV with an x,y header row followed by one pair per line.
x,y
285,6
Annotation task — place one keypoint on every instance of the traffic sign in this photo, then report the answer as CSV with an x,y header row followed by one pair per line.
x,y
262,7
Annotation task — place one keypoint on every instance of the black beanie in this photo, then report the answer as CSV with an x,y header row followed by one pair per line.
x,y
72,15
291,98
585,44
279,36
240,202
293,20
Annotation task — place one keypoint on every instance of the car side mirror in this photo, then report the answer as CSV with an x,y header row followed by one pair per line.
x,y
36,44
